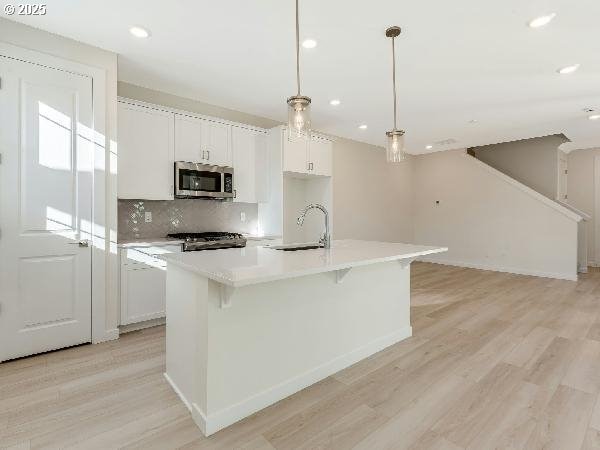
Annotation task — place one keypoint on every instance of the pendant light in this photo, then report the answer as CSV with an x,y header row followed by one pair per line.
x,y
395,139
298,105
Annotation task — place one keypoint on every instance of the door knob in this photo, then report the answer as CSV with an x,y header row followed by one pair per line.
x,y
81,243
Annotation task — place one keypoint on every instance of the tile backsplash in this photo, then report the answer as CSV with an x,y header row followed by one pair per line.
x,y
181,215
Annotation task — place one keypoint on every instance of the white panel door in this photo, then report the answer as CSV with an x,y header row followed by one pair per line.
x,y
146,152
188,139
244,154
217,143
295,152
320,157
562,178
46,177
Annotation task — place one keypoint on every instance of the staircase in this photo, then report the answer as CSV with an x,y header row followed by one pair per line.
x,y
491,221
548,179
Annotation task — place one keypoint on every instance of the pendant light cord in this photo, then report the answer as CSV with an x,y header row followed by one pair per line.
x,y
297,49
394,80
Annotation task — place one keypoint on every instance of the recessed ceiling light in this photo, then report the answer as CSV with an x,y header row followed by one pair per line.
x,y
542,20
335,102
429,147
309,43
362,127
568,69
594,117
139,32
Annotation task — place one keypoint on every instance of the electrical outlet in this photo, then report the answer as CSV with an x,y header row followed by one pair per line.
x,y
243,216
148,217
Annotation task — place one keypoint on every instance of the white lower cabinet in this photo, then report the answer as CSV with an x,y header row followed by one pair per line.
x,y
143,294
143,283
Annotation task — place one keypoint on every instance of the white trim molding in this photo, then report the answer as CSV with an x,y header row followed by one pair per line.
x,y
101,248
532,193
495,268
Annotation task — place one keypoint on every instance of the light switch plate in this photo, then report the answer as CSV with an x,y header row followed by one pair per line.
x,y
243,216
148,216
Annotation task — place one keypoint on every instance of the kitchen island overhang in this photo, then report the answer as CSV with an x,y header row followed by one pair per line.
x,y
249,327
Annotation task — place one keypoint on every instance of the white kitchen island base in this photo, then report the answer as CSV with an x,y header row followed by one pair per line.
x,y
232,351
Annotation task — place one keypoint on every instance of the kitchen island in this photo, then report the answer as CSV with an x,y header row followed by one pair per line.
x,y
248,327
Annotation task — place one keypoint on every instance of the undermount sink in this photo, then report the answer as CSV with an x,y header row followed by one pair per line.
x,y
296,247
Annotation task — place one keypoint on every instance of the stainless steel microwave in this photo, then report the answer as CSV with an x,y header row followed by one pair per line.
x,y
203,181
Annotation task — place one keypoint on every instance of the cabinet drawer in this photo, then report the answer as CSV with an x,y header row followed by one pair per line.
x,y
261,242
149,256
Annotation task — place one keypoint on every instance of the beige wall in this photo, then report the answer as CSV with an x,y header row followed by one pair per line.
x,y
581,189
41,41
533,162
489,221
372,199
187,104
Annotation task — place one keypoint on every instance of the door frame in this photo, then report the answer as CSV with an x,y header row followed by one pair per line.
x,y
102,201
596,229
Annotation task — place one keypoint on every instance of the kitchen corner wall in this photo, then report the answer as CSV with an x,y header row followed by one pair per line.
x,y
183,215
371,198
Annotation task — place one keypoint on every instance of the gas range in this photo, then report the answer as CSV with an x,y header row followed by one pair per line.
x,y
210,240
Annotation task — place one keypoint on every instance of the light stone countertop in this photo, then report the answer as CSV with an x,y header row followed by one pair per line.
x,y
148,242
238,267
162,241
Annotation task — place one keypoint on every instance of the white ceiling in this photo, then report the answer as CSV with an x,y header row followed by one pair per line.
x,y
457,61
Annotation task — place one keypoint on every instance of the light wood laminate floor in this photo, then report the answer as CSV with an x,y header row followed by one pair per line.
x,y
496,361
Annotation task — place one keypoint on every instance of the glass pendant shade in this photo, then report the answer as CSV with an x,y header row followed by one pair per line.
x,y
395,146
299,116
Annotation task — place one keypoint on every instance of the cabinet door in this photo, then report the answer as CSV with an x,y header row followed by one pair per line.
x,y
294,154
217,143
188,139
320,157
261,167
145,153
143,293
244,160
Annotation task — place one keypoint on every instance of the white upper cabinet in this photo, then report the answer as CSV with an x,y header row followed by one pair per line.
x,y
189,132
312,157
250,165
145,152
295,154
202,141
218,143
320,156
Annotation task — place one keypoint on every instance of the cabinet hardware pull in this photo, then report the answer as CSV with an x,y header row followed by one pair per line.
x,y
208,155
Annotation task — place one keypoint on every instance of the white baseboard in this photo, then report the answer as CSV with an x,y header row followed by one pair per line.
x,y
109,335
228,416
141,325
559,276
